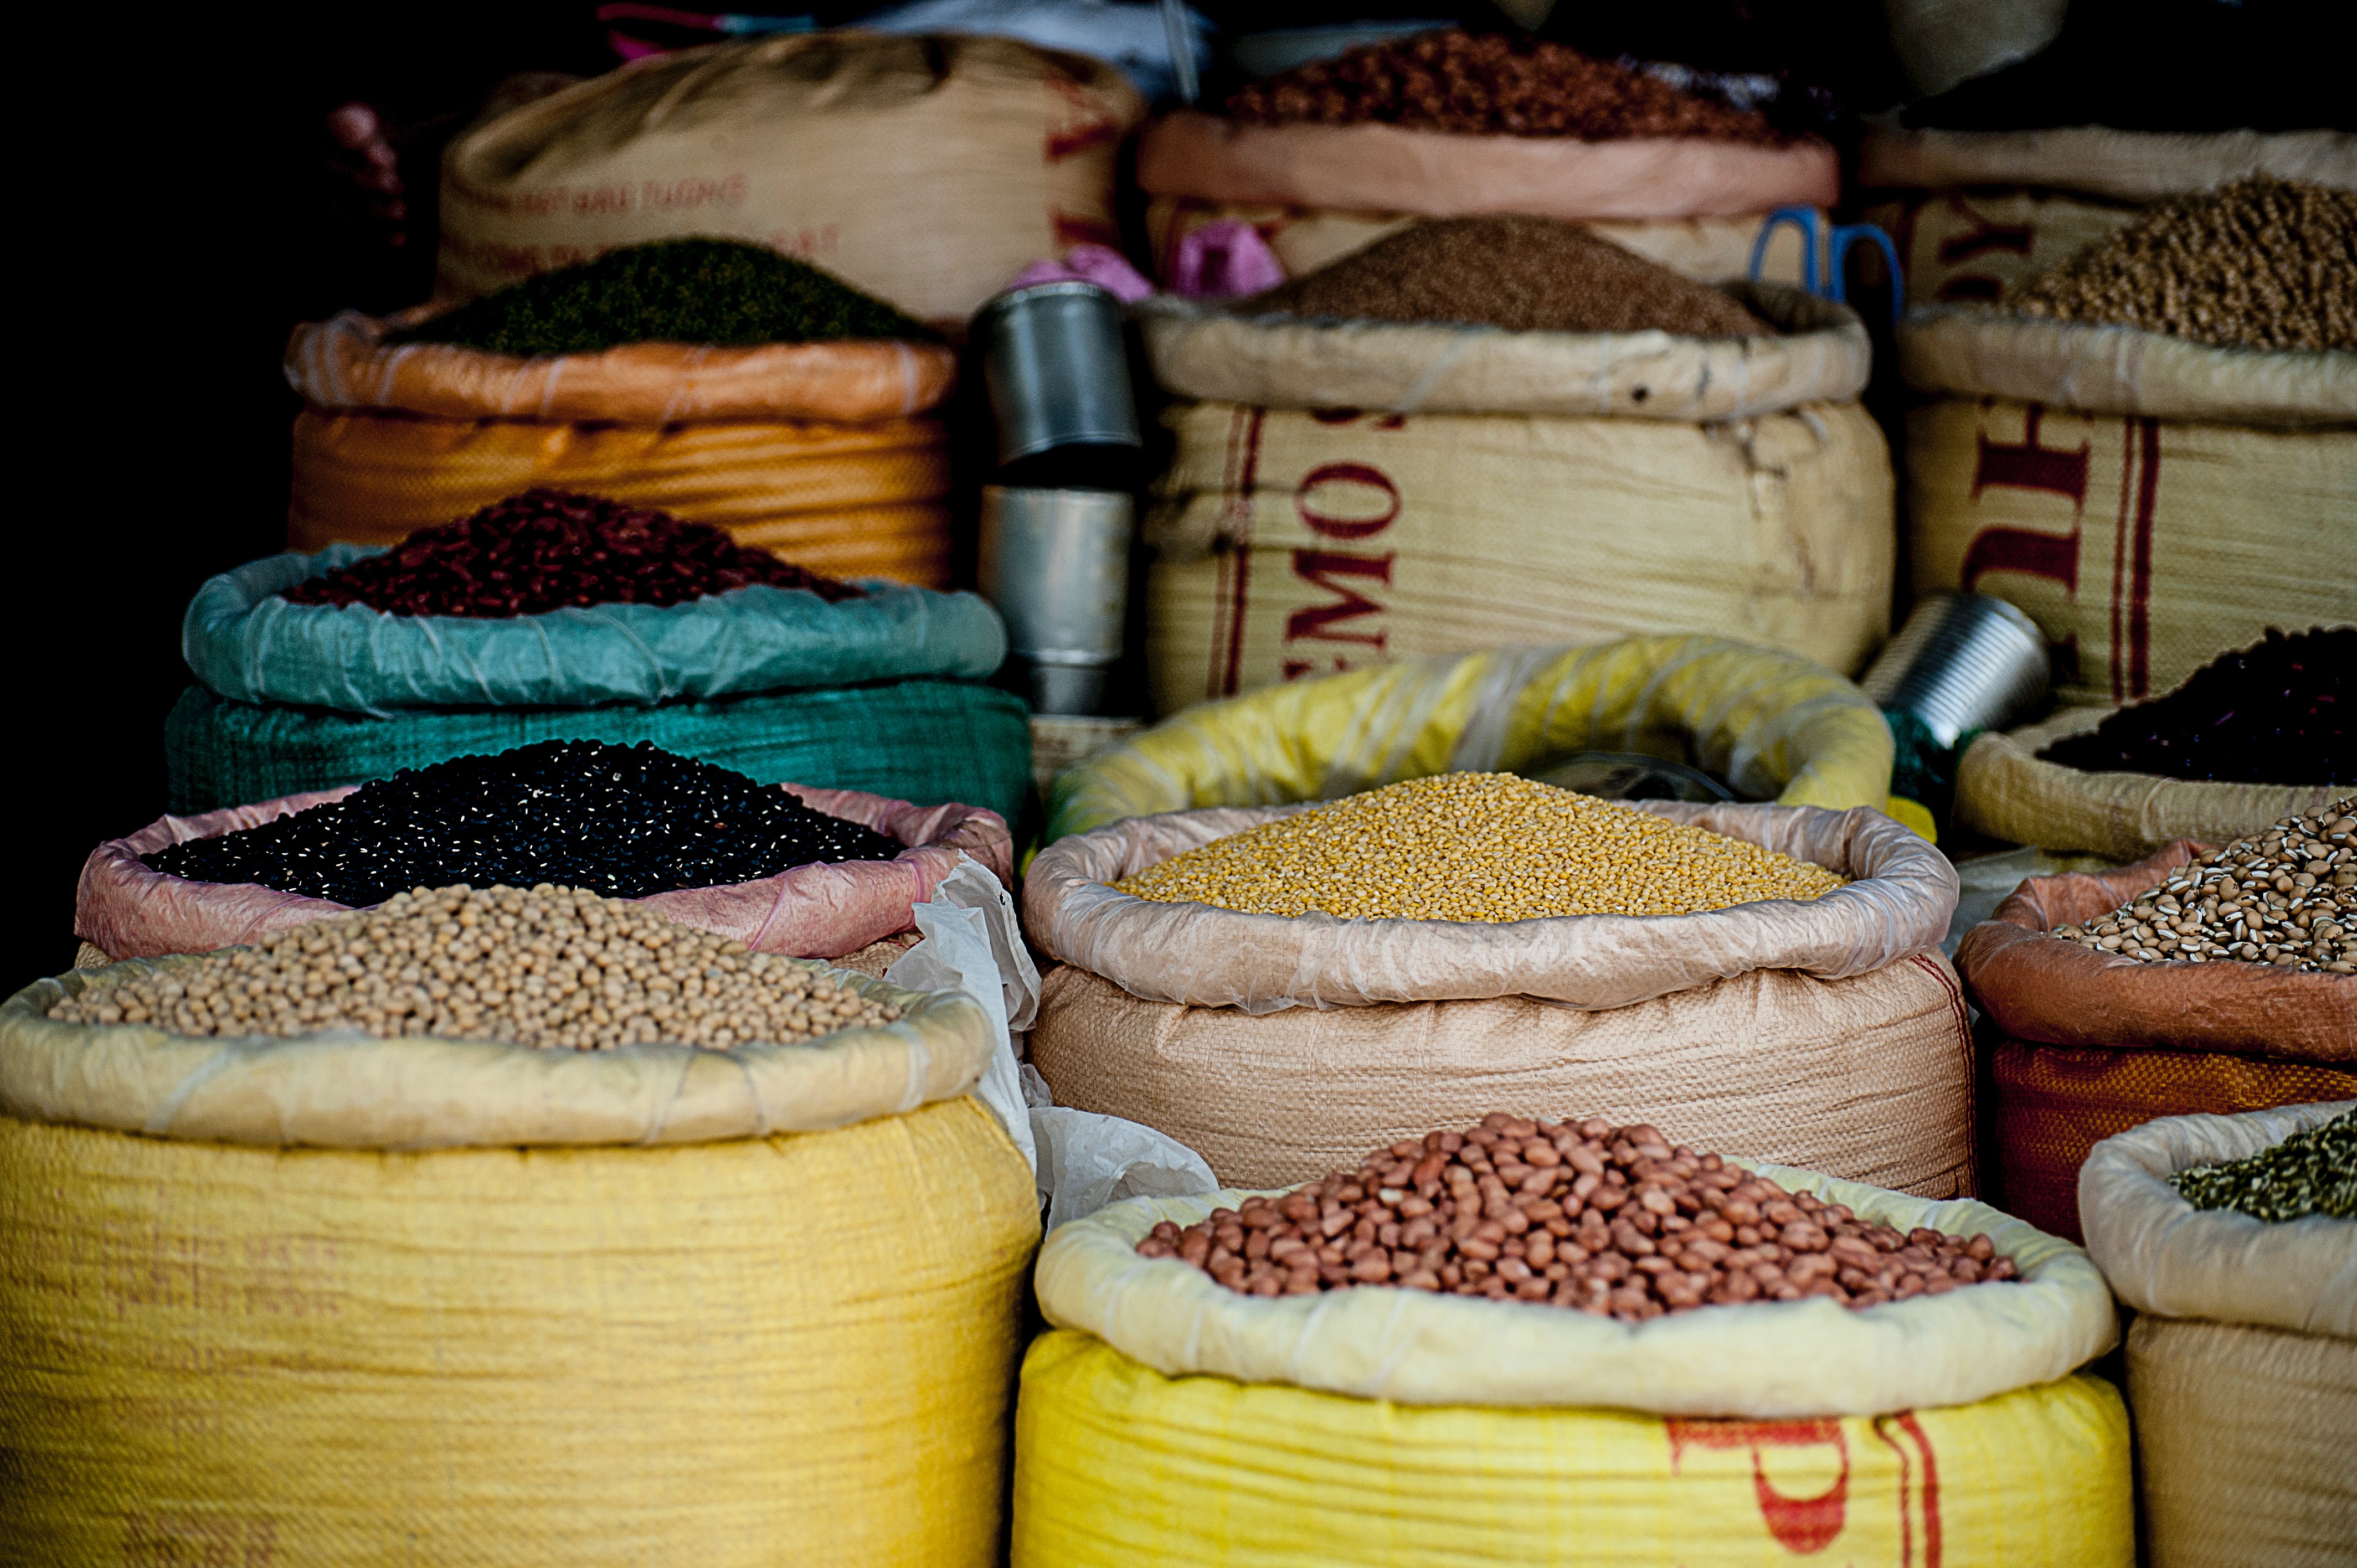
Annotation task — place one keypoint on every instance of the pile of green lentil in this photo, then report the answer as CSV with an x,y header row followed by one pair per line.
x,y
1481,847
2313,1172
553,967
2261,264
720,292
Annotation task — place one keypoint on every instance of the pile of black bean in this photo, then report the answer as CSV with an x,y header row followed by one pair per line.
x,y
624,821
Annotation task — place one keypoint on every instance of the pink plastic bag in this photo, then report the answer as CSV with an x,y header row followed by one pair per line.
x,y
1221,259
125,910
1102,265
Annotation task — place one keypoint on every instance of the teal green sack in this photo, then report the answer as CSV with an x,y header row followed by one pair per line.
x,y
245,642
930,742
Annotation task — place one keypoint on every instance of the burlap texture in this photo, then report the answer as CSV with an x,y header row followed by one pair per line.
x,y
1819,353
2004,790
344,363
810,911
1899,902
1869,1079
1783,1359
1385,168
2043,989
1960,246
2097,160
2163,1255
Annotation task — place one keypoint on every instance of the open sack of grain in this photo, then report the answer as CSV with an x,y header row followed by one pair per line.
x,y
2242,1357
1508,431
443,1289
2153,480
2212,982
723,382
1251,1390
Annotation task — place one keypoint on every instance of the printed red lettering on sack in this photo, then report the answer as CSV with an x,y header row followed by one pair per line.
x,y
1334,525
1799,1524
1981,238
2027,465
1317,621
1083,123
694,191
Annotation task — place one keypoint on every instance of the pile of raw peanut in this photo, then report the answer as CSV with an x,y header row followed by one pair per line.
x,y
553,967
1610,1220
2286,897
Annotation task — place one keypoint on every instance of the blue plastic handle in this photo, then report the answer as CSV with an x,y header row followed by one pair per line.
x,y
1804,218
1837,264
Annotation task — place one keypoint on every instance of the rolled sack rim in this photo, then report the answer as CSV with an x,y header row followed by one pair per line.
x,y
352,1091
1901,904
2162,1255
1780,1359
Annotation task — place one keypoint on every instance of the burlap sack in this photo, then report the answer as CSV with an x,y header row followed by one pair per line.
x,y
2142,547
926,170
1867,1077
2243,1360
1960,246
2097,160
1303,239
2004,791
344,363
812,911
1291,542
1818,354
849,501
1385,168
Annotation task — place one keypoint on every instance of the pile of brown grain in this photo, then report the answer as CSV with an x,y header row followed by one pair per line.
x,y
1494,85
1526,274
2261,264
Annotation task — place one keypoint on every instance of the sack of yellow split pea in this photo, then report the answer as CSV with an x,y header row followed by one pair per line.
x,y
1171,1421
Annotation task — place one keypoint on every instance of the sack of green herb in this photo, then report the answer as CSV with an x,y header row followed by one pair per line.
x,y
2234,1238
926,170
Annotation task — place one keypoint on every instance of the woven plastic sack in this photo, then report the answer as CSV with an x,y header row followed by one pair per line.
x,y
1170,1420
819,910
2097,160
1772,724
293,1300
2004,791
245,642
1377,167
343,363
2243,1359
926,169
849,501
1818,353
1958,247
926,741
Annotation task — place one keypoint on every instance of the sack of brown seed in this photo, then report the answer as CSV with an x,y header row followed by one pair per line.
x,y
2100,1029
1404,1422
2242,1357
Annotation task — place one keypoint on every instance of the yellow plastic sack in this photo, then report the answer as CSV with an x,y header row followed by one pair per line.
x,y
627,1322
850,500
1117,1465
1773,724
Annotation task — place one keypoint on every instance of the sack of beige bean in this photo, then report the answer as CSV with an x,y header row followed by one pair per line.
x,y
927,170
1975,212
2151,447
1482,432
2242,1359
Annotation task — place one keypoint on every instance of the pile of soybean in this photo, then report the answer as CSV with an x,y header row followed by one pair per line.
x,y
2313,1172
620,821
1478,847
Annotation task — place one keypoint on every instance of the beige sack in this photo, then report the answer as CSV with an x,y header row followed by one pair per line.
x,y
2143,547
926,170
2242,1361
1960,246
2004,791
1293,542
1943,43
2097,160
1303,239
1819,353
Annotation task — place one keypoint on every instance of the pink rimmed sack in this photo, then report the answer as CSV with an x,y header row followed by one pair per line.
x,y
125,910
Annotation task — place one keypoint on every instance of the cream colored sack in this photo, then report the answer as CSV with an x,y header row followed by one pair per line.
x,y
2243,1360
1899,902
1785,1359
926,170
1293,542
1956,247
1819,353
2004,791
2095,160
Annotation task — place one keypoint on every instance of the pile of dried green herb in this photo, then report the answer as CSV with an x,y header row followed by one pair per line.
x,y
721,292
2313,1172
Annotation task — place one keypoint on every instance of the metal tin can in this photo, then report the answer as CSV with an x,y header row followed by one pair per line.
x,y
1056,563
1056,373
1963,662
